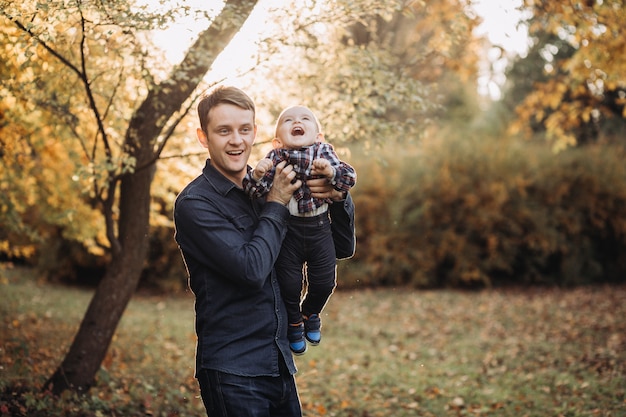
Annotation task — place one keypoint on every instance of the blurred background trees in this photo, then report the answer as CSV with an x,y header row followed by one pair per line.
x,y
455,188
580,88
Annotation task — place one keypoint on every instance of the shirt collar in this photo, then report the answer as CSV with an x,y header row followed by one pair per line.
x,y
221,184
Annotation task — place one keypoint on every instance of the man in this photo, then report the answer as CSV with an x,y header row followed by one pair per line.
x,y
229,243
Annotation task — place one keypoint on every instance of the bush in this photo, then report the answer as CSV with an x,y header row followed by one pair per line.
x,y
483,212
471,212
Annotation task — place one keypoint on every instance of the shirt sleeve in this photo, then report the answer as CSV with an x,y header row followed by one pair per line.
x,y
345,175
257,189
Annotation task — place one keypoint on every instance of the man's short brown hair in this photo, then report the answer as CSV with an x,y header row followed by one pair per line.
x,y
223,95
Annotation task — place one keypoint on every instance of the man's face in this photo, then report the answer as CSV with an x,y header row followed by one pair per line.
x,y
297,128
230,134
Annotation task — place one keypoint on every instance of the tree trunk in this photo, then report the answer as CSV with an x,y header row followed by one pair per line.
x,y
78,370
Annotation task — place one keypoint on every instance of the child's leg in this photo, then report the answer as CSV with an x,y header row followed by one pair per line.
x,y
321,279
321,272
289,272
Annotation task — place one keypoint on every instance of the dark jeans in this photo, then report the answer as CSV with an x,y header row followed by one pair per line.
x,y
227,395
308,251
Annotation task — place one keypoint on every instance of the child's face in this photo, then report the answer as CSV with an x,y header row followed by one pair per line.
x,y
296,128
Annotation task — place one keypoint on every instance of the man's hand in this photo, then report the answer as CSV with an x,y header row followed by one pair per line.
x,y
321,188
282,187
261,168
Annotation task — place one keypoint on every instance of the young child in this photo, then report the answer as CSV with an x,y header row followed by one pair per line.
x,y
308,251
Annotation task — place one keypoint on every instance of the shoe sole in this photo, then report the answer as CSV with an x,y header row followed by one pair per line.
x,y
313,342
298,353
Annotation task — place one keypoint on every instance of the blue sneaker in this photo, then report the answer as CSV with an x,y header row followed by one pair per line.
x,y
312,329
295,335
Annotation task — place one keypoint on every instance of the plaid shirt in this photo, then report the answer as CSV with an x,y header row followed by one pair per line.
x,y
302,161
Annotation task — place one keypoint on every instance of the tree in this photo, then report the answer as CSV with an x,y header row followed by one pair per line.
x,y
583,59
524,74
122,166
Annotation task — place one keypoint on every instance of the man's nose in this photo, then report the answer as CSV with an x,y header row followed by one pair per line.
x,y
236,138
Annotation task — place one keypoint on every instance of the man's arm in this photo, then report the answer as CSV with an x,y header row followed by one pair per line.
x,y
342,226
341,214
225,243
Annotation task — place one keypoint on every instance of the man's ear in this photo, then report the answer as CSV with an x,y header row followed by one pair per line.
x,y
276,143
202,138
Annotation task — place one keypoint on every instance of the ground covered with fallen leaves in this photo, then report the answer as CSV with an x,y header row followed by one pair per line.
x,y
388,352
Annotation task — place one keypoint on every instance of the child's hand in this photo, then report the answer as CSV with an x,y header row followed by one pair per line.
x,y
262,167
322,167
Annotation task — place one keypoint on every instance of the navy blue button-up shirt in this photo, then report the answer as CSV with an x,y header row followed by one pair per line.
x,y
230,243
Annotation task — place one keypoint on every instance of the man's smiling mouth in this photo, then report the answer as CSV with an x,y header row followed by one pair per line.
x,y
297,131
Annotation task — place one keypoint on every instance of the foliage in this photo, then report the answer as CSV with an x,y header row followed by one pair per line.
x,y
396,352
585,88
42,198
464,211
370,70
63,147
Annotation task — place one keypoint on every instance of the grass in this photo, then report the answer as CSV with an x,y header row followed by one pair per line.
x,y
392,352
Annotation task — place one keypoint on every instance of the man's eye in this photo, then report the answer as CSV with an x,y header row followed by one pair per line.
x,y
223,132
